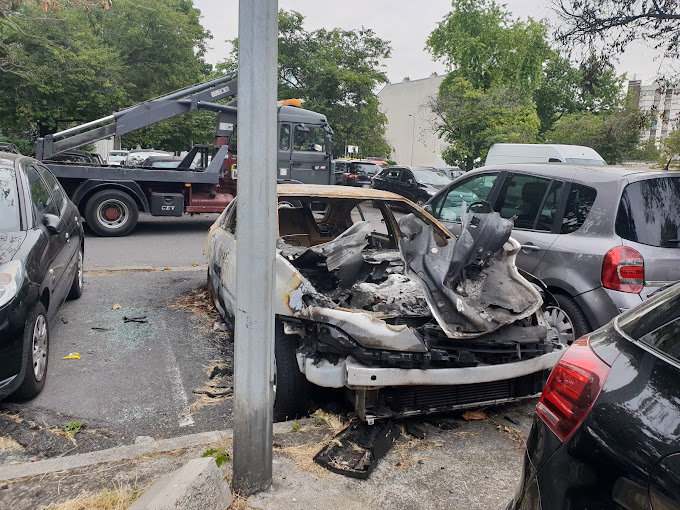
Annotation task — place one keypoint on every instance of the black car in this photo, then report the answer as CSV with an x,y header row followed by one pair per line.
x,y
606,433
418,184
360,173
41,264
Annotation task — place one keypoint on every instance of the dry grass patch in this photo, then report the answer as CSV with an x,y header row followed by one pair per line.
x,y
8,444
198,302
303,456
408,451
239,502
217,388
109,499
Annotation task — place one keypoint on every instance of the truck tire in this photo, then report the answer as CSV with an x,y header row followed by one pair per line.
x,y
111,213
291,388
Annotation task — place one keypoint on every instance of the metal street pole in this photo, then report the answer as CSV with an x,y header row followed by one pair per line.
x,y
256,212
413,135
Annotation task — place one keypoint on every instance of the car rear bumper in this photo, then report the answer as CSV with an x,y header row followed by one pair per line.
x,y
351,374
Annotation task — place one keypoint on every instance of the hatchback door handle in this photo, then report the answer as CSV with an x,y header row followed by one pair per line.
x,y
530,247
296,163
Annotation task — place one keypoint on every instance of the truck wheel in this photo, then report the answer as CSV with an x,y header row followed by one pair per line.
x,y
111,213
291,388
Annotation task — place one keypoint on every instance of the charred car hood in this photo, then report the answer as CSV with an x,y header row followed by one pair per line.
x,y
10,242
470,285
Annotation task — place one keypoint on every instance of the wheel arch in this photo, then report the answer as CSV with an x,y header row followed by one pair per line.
x,y
91,186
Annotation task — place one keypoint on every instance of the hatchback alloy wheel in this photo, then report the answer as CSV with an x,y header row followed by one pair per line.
x,y
39,347
560,323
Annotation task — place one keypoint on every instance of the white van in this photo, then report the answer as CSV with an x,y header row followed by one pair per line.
x,y
502,153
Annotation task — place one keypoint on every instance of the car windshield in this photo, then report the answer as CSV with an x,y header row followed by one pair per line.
x,y
364,168
431,177
9,203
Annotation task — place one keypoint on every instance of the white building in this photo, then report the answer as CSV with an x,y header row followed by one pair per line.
x,y
662,101
410,121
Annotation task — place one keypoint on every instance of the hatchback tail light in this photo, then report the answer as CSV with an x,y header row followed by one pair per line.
x,y
623,268
573,386
351,177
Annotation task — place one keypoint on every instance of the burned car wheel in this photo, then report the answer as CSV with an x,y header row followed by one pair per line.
x,y
290,386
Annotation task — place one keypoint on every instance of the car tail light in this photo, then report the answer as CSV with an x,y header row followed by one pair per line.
x,y
573,386
623,269
352,177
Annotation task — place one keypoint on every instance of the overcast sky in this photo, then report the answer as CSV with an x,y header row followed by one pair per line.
x,y
405,23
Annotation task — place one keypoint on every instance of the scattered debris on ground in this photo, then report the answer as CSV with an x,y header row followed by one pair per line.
x,y
218,387
198,302
355,451
474,415
140,320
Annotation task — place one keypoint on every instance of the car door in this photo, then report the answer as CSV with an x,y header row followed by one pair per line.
x,y
534,201
388,180
222,259
309,159
284,152
408,186
70,217
447,206
54,259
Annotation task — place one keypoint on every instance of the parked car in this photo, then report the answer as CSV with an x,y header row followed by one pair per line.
x,y
117,157
601,238
165,162
418,184
605,432
77,156
404,316
359,173
504,153
136,156
452,172
9,147
41,264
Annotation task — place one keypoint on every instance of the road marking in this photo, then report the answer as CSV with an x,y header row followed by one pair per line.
x,y
179,392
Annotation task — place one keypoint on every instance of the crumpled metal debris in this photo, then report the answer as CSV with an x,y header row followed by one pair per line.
x,y
471,284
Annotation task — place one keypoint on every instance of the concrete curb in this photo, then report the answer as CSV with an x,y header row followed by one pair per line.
x,y
140,269
119,453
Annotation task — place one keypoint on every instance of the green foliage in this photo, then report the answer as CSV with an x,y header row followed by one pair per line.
x,y
670,150
472,120
593,86
647,151
220,455
334,72
65,67
25,146
295,426
480,42
614,135
72,428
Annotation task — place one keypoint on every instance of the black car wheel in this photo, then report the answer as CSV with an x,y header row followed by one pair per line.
x,y
566,319
77,285
36,346
111,213
291,388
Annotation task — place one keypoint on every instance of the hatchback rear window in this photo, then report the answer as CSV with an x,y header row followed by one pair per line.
x,y
648,212
9,204
656,323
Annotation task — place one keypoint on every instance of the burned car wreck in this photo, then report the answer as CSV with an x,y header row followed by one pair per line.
x,y
373,295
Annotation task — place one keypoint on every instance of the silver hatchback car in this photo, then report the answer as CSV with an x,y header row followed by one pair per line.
x,y
601,238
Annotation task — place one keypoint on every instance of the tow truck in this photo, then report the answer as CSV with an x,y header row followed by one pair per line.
x,y
110,198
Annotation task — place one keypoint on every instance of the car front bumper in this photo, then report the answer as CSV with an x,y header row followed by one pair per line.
x,y
351,374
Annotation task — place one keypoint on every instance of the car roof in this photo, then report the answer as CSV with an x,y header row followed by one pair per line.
x,y
331,191
577,172
9,159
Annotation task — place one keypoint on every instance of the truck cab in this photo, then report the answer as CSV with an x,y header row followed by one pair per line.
x,y
304,146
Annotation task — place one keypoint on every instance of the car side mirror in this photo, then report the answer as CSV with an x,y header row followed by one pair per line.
x,y
51,223
410,181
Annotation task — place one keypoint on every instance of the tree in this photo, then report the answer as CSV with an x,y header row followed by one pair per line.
x,y
670,149
71,65
615,23
615,135
472,120
479,41
335,72
593,86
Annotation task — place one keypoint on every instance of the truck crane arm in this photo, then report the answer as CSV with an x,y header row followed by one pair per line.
x,y
142,115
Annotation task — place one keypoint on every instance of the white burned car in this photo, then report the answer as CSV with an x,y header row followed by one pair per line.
x,y
374,295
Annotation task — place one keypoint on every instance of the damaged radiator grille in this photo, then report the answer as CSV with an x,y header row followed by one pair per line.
x,y
424,399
